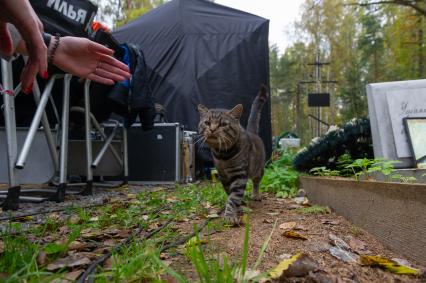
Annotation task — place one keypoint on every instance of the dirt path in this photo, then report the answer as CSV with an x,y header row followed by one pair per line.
x,y
316,228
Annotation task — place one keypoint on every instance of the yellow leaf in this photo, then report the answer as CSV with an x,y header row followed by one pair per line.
x,y
294,235
388,265
195,242
131,196
287,225
282,266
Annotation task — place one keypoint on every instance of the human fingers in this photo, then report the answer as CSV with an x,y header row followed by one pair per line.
x,y
112,69
99,79
28,75
109,75
98,48
116,65
6,46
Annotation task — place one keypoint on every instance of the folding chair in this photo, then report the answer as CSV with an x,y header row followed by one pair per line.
x,y
26,166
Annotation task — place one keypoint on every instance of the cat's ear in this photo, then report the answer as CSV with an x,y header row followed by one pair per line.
x,y
236,111
202,109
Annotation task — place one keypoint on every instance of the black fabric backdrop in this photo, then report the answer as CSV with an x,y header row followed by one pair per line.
x,y
201,52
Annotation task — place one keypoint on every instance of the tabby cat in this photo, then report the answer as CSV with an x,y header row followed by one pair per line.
x,y
238,154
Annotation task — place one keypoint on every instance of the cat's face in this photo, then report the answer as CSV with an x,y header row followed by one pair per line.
x,y
220,128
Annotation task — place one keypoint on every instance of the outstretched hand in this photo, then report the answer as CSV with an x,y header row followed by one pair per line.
x,y
87,59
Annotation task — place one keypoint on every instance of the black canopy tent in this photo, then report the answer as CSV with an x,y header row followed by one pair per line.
x,y
201,52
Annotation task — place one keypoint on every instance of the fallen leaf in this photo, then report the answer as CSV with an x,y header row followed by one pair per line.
x,y
94,219
268,220
1,246
75,219
330,222
68,262
153,226
101,250
72,276
131,196
293,206
336,241
343,255
89,255
24,218
388,264
402,261
108,263
300,228
54,216
294,235
164,256
273,213
90,233
77,246
287,225
357,245
301,200
64,230
109,243
213,215
298,265
284,256
320,276
41,258
123,234
145,217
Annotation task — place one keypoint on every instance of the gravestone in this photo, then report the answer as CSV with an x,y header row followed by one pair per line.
x,y
388,104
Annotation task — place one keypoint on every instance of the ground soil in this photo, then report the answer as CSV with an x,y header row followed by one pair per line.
x,y
262,216
315,227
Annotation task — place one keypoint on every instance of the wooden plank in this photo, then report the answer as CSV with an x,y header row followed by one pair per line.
x,y
395,213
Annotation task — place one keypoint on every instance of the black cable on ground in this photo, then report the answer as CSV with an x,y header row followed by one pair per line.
x,y
49,211
92,267
186,238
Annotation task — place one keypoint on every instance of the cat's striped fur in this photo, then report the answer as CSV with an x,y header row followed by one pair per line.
x,y
238,154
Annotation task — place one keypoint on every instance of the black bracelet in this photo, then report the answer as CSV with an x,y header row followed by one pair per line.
x,y
51,54
46,38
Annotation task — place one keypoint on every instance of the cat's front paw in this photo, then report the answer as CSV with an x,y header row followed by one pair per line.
x,y
233,220
233,215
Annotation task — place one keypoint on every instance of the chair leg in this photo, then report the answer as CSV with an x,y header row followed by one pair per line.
x,y
61,189
12,199
89,182
125,157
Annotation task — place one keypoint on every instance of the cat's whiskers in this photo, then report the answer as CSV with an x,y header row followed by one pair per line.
x,y
229,141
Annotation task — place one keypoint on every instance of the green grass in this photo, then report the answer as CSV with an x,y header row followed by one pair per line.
x,y
315,209
137,262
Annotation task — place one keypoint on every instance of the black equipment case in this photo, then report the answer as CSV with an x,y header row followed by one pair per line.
x,y
155,156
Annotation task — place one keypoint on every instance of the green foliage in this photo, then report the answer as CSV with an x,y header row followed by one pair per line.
x,y
323,171
280,178
364,167
315,209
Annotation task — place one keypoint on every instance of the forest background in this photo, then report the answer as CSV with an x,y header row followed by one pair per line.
x,y
363,42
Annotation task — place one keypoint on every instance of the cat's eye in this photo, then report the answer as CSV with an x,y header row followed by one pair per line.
x,y
224,124
207,123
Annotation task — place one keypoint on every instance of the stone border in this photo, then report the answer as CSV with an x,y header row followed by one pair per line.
x,y
395,213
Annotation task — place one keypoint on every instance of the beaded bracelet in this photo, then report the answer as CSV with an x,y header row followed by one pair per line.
x,y
51,54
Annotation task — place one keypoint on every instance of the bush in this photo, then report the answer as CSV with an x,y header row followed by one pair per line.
x,y
280,177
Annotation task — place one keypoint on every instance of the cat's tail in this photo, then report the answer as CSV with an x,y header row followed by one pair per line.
x,y
256,109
